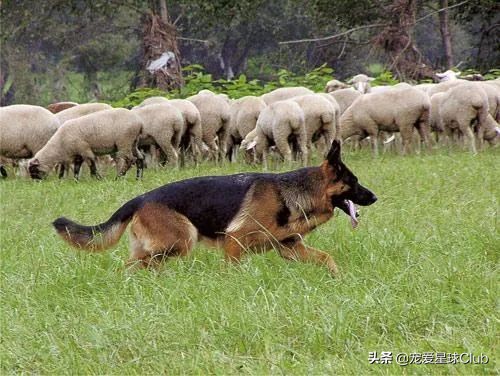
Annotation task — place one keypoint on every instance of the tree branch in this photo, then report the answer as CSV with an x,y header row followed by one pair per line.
x,y
333,36
440,10
367,27
193,40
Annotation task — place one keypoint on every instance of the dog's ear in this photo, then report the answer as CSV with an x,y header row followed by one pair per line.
x,y
333,156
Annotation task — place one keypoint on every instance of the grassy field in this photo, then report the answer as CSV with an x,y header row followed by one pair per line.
x,y
419,274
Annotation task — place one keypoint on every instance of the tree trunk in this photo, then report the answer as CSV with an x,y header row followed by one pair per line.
x,y
396,39
160,65
445,33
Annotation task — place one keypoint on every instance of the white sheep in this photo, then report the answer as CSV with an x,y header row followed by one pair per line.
x,y
434,113
151,100
493,93
81,110
114,131
321,115
361,82
444,86
193,133
192,137
449,75
163,126
282,124
285,93
334,85
463,105
215,115
24,130
399,110
244,114
344,97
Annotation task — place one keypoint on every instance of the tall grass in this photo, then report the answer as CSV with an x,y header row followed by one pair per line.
x,y
419,274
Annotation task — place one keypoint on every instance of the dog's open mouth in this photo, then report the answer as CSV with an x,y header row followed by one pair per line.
x,y
348,207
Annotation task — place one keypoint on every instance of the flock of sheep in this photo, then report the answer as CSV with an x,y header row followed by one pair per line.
x,y
290,121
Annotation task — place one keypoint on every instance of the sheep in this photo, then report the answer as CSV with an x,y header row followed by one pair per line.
x,y
193,133
383,88
163,126
425,87
280,123
493,93
24,130
435,122
361,82
449,75
244,114
444,86
60,106
398,110
285,93
215,115
460,107
321,117
334,85
192,122
344,97
80,110
151,100
104,132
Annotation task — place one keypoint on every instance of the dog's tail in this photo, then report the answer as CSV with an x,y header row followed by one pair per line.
x,y
99,237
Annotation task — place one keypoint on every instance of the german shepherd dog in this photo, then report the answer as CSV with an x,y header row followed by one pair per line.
x,y
248,211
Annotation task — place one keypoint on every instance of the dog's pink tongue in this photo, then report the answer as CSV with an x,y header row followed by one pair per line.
x,y
352,213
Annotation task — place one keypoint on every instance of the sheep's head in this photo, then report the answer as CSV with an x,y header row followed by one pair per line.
x,y
335,85
36,170
248,147
361,82
449,75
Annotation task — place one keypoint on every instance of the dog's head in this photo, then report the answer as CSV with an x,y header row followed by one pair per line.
x,y
343,187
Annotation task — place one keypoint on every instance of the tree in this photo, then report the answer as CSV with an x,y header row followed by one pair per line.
x,y
445,33
160,60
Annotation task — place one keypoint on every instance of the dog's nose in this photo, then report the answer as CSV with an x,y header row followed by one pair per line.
x,y
373,199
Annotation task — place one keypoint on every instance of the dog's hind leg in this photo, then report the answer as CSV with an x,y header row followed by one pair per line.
x,y
158,232
298,251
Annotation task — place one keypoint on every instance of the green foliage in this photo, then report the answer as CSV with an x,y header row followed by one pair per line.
x,y
197,79
492,74
384,78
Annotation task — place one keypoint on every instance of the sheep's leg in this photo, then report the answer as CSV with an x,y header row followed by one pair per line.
x,y
93,169
3,171
62,170
281,141
469,134
464,125
139,161
222,135
168,149
209,140
480,137
302,143
89,156
196,141
423,132
328,136
373,142
406,136
77,164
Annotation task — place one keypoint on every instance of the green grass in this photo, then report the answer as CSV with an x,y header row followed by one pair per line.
x,y
419,274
